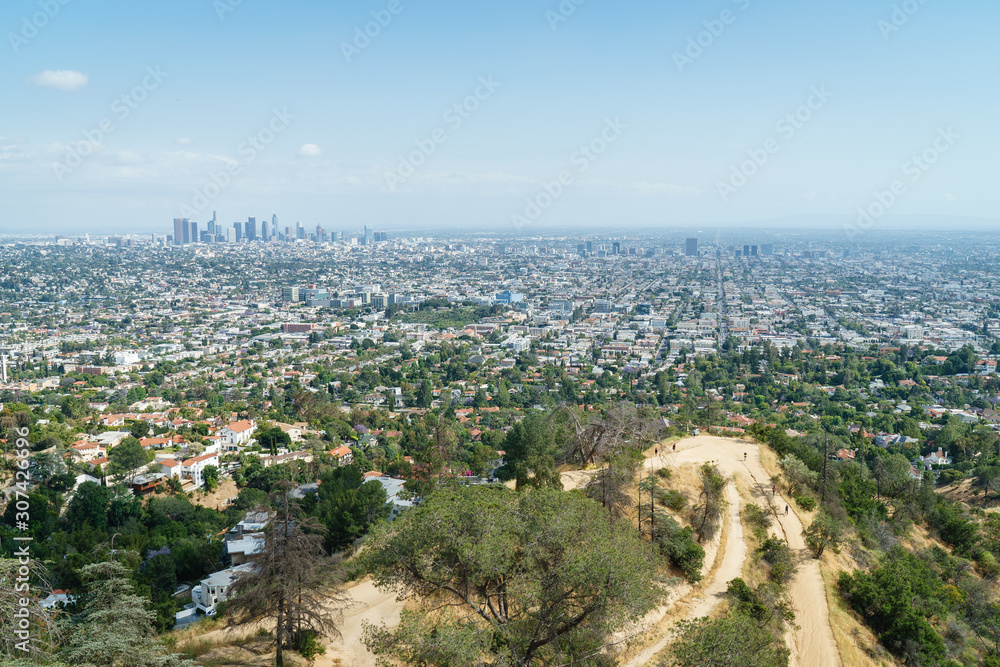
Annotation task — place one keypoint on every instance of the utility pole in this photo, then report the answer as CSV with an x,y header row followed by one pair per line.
x,y
826,459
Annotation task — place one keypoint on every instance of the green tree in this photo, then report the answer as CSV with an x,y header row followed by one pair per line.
x,y
540,577
424,395
211,476
272,438
127,459
825,531
735,640
797,474
531,447
116,626
89,505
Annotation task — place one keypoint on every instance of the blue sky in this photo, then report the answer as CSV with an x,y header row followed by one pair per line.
x,y
226,68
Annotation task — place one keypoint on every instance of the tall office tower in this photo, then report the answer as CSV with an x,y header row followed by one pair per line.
x,y
753,251
274,222
616,248
250,230
178,231
767,250
300,231
239,231
231,234
691,247
746,250
193,233
264,236
581,249
590,247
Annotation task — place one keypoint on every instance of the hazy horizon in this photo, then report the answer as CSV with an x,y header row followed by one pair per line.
x,y
448,116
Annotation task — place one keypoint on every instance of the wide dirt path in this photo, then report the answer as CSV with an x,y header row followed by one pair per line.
x,y
811,642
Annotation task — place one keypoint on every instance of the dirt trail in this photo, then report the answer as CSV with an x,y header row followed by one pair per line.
x,y
367,603
811,642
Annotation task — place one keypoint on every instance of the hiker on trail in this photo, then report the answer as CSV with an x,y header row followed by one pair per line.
x,y
675,446
786,510
773,490
744,456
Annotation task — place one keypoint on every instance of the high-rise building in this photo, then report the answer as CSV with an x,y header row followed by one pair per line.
x,y
691,247
193,233
231,234
264,236
753,251
616,248
590,247
746,250
250,229
239,231
180,225
300,231
290,294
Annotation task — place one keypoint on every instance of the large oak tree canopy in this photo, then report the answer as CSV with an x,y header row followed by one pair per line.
x,y
504,578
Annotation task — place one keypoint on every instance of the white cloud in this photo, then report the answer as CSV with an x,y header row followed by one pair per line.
x,y
184,141
950,197
63,79
310,150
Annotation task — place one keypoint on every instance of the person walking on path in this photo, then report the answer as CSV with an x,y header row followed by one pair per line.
x,y
786,510
774,490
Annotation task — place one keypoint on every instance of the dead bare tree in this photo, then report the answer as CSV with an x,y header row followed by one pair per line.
x,y
291,583
707,514
621,429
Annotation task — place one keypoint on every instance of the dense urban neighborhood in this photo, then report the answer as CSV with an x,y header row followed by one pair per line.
x,y
196,426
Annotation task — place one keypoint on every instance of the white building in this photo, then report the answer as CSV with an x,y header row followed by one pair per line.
x,y
215,588
238,433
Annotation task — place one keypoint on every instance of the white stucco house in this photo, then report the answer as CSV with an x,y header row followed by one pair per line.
x,y
193,468
238,433
214,588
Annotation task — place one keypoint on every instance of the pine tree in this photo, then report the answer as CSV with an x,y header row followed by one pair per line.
x,y
116,626
290,584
